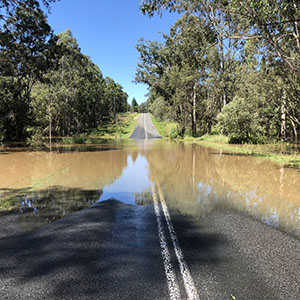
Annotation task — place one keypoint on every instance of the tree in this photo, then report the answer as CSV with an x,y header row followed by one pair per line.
x,y
71,95
116,98
143,108
134,105
177,70
25,51
260,38
276,23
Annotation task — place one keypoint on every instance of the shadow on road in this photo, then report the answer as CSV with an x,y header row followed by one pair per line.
x,y
109,251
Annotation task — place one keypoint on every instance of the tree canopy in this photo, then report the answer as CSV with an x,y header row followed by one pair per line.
x,y
47,86
226,66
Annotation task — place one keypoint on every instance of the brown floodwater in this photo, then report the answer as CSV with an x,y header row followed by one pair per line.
x,y
195,181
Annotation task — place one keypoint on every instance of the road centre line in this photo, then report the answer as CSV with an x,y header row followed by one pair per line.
x,y
173,286
186,275
145,127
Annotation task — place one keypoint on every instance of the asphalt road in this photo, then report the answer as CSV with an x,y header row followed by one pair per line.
x,y
145,129
115,251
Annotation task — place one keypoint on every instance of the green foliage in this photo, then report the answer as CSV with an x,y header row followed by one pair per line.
x,y
174,134
47,86
230,66
77,140
25,51
122,128
143,107
241,121
159,109
165,128
134,105
116,98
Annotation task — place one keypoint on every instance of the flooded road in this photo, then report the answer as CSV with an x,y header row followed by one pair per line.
x,y
163,220
195,181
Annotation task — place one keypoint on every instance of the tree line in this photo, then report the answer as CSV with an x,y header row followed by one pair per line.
x,y
226,66
48,87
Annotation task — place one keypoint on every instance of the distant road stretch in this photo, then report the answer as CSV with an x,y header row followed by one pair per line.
x,y
145,129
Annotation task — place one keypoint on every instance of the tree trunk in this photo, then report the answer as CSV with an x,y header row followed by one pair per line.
x,y
224,98
194,117
283,122
50,129
295,131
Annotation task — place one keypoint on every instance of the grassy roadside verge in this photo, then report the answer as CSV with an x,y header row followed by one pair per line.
x,y
121,129
282,153
165,129
286,154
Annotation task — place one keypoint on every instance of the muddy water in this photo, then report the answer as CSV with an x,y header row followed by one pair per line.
x,y
194,181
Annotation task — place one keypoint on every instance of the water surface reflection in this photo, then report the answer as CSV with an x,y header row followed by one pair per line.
x,y
194,180
133,184
198,180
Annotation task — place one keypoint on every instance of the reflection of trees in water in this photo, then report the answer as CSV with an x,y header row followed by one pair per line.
x,y
179,169
85,170
263,190
77,176
134,155
198,180
41,207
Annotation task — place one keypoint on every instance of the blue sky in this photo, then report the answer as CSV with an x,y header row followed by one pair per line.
x,y
107,31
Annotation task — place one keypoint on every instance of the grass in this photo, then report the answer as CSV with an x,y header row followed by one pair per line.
x,y
121,129
164,128
8,203
282,153
215,138
286,154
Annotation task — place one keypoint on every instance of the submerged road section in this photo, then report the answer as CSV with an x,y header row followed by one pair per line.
x,y
145,129
114,251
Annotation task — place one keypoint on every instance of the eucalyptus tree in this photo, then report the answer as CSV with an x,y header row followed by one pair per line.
x,y
115,97
8,7
177,69
274,22
25,48
69,99
273,30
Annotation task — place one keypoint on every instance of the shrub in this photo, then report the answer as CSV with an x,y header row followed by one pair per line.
x,y
241,121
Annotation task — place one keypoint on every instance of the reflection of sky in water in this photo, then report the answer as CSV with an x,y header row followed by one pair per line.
x,y
134,179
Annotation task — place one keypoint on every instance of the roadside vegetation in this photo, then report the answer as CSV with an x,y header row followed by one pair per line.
x,y
226,67
284,153
166,129
48,87
121,128
225,70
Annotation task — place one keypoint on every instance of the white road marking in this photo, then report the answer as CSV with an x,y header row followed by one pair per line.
x,y
186,275
145,127
173,286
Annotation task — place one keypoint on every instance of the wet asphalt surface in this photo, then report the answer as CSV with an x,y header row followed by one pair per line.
x,y
109,251
112,251
145,129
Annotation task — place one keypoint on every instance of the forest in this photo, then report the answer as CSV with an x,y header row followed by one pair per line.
x,y
47,86
226,67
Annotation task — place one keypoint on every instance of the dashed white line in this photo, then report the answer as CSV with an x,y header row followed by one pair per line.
x,y
173,286
186,275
